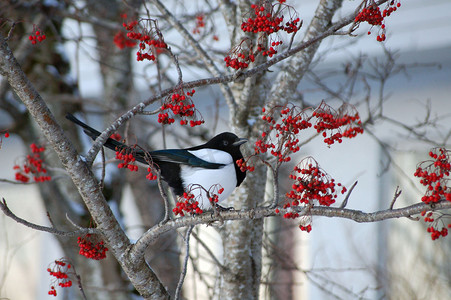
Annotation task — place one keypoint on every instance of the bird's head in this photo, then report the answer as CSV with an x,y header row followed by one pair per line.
x,y
226,141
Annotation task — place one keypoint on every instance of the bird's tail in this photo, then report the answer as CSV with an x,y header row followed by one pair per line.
x,y
140,155
93,134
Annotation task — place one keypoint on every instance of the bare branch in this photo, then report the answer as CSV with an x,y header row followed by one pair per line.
x,y
185,264
5,209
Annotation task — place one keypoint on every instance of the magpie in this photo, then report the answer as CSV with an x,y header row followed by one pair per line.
x,y
199,170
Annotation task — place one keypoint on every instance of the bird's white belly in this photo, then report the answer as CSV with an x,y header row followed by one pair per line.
x,y
199,181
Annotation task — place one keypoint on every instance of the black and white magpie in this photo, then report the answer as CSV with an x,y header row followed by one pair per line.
x,y
196,169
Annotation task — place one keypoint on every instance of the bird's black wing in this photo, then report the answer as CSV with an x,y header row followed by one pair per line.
x,y
184,157
176,156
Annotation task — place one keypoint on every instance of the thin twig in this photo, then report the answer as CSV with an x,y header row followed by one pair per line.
x,y
208,250
345,201
395,197
102,178
178,290
165,198
82,229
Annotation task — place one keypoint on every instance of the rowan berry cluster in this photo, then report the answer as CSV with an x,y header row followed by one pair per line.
x,y
434,220
244,166
189,205
151,175
290,121
345,123
290,214
116,136
127,156
240,56
200,23
36,36
307,228
32,167
146,34
434,176
122,41
263,22
91,248
60,271
214,192
371,14
182,105
285,123
268,22
312,183
435,234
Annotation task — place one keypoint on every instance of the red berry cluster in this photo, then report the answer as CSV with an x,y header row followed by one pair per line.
x,y
214,192
307,228
345,123
262,22
434,176
291,120
90,248
268,22
272,49
37,36
312,183
127,157
60,270
240,56
285,123
187,206
150,40
435,233
373,16
122,41
290,214
32,167
200,23
244,166
116,136
151,175
180,105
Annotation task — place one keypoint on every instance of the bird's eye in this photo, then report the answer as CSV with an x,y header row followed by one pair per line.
x,y
225,142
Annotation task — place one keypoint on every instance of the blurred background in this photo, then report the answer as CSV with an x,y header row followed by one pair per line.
x,y
339,259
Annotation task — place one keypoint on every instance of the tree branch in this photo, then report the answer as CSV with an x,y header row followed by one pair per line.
x,y
5,209
141,276
262,212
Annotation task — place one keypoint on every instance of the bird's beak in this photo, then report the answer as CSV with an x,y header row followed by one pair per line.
x,y
239,142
